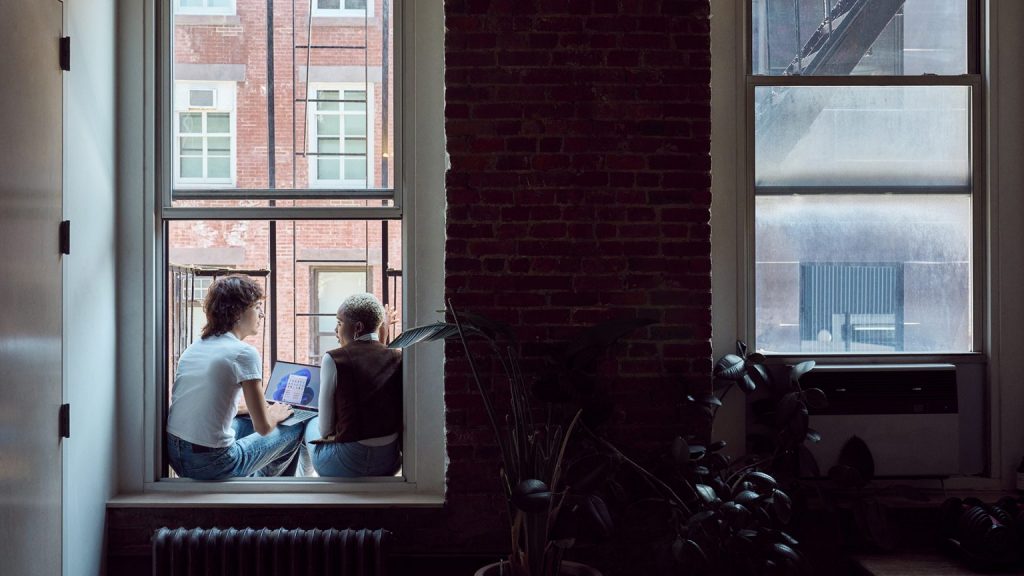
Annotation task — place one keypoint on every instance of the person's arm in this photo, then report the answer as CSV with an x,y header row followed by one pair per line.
x,y
264,417
328,380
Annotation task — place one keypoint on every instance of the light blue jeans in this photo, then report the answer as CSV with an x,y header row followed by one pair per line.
x,y
249,455
351,459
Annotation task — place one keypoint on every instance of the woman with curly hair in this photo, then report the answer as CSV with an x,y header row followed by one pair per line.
x,y
204,439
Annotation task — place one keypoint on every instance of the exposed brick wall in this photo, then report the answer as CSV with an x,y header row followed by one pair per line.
x,y
579,135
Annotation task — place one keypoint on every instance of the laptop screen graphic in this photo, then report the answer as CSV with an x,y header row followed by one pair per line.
x,y
294,384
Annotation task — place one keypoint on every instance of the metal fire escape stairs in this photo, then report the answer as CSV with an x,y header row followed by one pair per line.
x,y
838,44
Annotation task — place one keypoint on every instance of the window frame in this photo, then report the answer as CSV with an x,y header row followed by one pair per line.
x,y
222,91
312,111
746,204
205,9
341,11
418,47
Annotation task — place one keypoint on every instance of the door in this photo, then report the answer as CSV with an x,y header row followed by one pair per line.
x,y
30,287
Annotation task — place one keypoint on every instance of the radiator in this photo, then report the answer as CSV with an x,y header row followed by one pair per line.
x,y
265,552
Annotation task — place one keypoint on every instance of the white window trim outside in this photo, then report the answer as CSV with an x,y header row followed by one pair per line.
x,y
206,9
314,274
342,12
311,116
419,96
224,101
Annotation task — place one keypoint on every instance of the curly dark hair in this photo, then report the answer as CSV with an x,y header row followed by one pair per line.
x,y
226,300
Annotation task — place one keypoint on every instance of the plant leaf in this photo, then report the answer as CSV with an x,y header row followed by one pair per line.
x,y
813,435
741,348
815,398
761,480
426,333
856,454
680,451
799,370
729,367
782,506
747,384
531,496
757,373
706,493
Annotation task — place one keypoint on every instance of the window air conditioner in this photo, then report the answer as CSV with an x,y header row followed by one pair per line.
x,y
921,420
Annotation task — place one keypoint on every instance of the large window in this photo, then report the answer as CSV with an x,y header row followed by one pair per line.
x,y
863,121
279,162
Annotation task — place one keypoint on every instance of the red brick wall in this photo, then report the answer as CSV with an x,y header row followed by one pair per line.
x,y
579,134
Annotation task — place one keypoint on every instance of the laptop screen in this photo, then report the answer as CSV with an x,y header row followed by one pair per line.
x,y
295,384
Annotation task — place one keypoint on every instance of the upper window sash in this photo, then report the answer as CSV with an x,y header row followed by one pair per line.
x,y
379,196
862,37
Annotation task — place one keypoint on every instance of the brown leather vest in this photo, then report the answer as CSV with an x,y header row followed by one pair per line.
x,y
368,392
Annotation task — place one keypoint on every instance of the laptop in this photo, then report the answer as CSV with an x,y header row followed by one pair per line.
x,y
297,385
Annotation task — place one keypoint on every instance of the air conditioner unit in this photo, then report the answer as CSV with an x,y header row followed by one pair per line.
x,y
919,420
202,98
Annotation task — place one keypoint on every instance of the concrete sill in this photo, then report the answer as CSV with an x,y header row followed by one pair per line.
x,y
276,500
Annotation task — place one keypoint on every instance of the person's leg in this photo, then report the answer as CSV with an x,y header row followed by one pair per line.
x,y
382,460
266,455
337,459
199,462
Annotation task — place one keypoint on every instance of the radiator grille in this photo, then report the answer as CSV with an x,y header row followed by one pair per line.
x,y
266,552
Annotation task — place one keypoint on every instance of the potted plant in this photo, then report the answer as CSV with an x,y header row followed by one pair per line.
x,y
551,484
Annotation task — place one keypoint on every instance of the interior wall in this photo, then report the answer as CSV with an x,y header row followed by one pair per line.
x,y
90,158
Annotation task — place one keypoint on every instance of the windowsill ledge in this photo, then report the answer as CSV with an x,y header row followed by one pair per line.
x,y
277,500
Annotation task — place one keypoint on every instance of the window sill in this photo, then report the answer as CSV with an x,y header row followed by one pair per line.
x,y
212,499
345,21
207,20
886,359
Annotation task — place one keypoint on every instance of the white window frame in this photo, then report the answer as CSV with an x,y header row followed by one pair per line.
x,y
313,145
224,102
342,12
314,275
419,47
747,286
205,9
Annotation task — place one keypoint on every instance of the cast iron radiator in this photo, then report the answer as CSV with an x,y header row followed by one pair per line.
x,y
266,552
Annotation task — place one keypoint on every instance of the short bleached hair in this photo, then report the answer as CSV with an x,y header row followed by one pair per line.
x,y
363,308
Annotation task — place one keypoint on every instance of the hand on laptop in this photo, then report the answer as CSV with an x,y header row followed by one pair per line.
x,y
279,412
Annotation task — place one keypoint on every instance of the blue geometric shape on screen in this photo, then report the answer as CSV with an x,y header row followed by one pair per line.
x,y
307,393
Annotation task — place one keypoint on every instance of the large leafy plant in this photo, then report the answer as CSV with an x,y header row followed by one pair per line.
x,y
551,479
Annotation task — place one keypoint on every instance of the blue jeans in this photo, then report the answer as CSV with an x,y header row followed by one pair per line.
x,y
249,455
351,459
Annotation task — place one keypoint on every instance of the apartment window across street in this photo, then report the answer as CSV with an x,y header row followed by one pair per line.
x,y
278,162
205,7
341,136
205,133
345,8
863,118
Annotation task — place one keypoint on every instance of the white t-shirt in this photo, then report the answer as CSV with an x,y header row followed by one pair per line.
x,y
328,380
207,385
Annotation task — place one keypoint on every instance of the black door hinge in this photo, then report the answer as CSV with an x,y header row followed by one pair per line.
x,y
65,420
65,53
65,237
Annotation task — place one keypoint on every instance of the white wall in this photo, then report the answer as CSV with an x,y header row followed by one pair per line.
x,y
90,457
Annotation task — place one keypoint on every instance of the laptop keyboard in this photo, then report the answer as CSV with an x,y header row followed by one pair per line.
x,y
299,415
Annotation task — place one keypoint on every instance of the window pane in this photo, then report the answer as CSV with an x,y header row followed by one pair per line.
x,y
191,146
218,123
859,38
218,146
219,3
218,167
191,167
333,286
355,169
355,4
862,273
355,106
355,125
862,136
328,124
191,123
328,169
328,146
328,4
191,3
355,146
327,95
